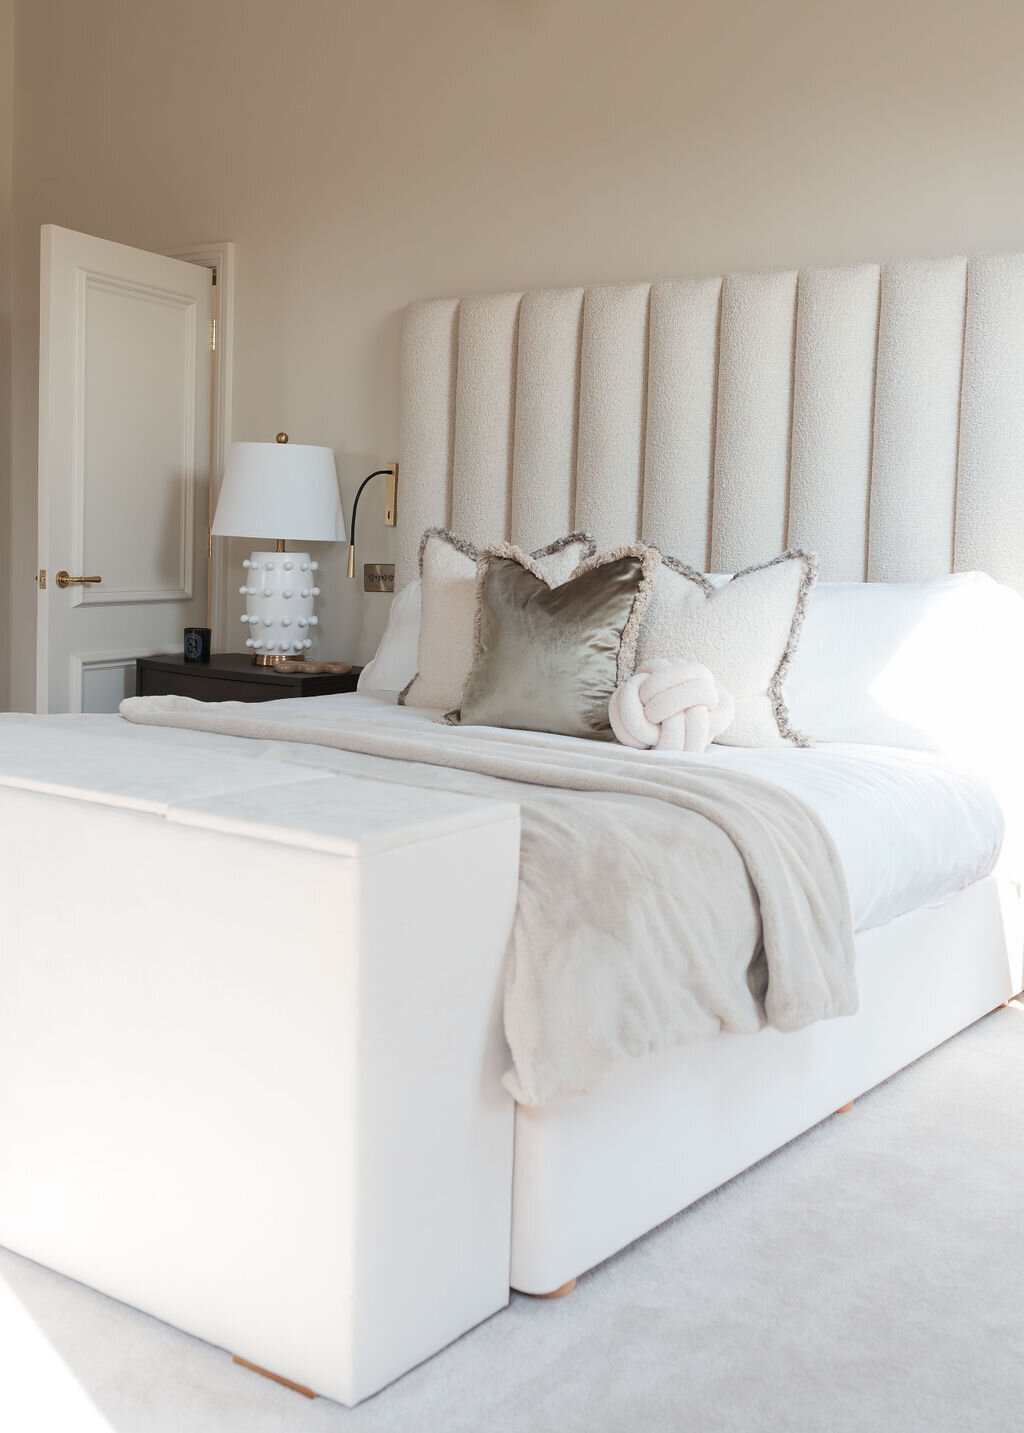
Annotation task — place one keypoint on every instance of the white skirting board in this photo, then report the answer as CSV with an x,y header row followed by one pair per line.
x,y
594,1173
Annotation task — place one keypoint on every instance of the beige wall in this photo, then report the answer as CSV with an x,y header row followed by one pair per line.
x,y
364,153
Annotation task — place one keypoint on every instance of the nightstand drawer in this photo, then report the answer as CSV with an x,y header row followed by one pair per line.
x,y
204,689
233,677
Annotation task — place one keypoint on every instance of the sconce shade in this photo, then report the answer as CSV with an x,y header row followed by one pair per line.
x,y
280,490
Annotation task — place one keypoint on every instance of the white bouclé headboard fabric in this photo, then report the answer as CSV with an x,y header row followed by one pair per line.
x,y
874,414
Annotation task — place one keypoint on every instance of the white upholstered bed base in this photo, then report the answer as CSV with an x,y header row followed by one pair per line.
x,y
593,1174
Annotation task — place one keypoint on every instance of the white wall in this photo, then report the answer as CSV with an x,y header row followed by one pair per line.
x,y
365,153
6,152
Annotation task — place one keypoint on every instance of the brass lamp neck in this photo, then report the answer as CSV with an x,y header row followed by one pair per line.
x,y
390,503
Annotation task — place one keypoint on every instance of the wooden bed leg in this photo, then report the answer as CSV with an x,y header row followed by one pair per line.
x,y
843,1108
558,1293
274,1377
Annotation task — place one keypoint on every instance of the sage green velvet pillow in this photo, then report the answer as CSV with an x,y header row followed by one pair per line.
x,y
549,658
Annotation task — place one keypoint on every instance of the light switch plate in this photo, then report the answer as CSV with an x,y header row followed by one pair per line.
x,y
378,577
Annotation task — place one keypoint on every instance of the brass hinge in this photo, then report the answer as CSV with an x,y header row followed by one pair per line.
x,y
42,578
213,335
209,542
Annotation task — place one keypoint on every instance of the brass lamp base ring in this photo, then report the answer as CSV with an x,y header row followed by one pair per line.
x,y
267,659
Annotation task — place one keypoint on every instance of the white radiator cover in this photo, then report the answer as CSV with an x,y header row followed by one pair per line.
x,y
874,414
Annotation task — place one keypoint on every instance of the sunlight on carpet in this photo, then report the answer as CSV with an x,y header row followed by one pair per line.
x,y
37,1389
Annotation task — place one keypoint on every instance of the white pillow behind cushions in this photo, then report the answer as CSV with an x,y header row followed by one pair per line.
x,y
448,598
936,665
394,666
745,629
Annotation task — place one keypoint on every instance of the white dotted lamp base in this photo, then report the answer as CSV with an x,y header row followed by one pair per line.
x,y
279,591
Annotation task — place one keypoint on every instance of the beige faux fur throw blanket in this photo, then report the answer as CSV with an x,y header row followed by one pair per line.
x,y
658,903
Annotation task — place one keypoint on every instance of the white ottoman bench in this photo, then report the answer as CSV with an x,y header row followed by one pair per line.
x,y
251,1050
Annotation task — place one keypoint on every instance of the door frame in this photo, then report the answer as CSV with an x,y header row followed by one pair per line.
x,y
220,257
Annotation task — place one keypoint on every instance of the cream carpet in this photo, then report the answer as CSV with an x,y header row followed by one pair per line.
x,y
870,1276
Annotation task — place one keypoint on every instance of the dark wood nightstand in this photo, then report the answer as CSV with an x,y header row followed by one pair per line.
x,y
233,677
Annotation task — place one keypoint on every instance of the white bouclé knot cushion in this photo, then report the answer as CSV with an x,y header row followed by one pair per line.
x,y
670,706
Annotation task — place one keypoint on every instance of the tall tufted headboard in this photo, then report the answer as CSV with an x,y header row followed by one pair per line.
x,y
874,414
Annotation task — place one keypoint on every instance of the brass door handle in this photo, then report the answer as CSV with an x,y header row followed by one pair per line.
x,y
64,579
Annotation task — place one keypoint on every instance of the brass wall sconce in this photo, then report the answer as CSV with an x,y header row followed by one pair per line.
x,y
390,507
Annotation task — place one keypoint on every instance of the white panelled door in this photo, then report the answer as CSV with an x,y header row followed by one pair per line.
x,y
124,445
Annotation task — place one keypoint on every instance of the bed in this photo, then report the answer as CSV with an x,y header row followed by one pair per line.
x,y
377,1191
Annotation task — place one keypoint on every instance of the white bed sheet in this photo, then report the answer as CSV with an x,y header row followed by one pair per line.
x,y
912,827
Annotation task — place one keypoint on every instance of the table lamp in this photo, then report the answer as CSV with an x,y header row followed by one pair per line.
x,y
288,491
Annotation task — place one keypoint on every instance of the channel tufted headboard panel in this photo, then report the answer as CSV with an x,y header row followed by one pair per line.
x,y
874,414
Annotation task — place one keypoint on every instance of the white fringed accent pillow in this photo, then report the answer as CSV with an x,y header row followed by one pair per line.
x,y
448,600
670,706
745,631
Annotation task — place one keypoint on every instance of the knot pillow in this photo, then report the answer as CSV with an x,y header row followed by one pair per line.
x,y
671,705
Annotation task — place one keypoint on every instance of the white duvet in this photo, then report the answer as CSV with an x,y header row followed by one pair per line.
x,y
911,827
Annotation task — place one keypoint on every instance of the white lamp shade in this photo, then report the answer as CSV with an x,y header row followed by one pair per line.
x,y
280,490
